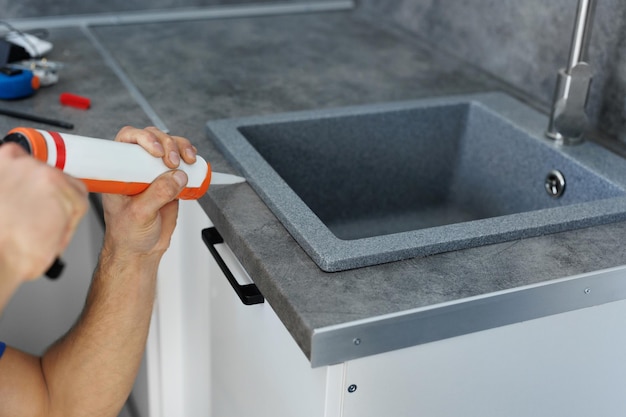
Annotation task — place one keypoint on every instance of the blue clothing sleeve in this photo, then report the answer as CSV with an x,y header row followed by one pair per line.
x,y
2,347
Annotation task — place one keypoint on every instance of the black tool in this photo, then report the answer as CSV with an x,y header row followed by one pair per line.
x,y
35,118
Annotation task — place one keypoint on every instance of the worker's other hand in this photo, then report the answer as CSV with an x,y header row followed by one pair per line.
x,y
40,208
142,225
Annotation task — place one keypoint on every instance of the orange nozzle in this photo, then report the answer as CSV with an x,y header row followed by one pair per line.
x,y
191,193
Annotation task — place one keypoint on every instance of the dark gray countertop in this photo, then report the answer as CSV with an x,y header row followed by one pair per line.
x,y
86,74
191,72
34,8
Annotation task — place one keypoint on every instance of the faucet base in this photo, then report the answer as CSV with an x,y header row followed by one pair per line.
x,y
568,120
560,139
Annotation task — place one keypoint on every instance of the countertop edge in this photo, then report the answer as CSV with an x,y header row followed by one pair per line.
x,y
299,330
353,340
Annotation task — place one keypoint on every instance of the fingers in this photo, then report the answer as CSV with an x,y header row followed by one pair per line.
x,y
172,149
164,189
146,139
13,150
77,186
40,209
175,148
74,199
187,150
70,195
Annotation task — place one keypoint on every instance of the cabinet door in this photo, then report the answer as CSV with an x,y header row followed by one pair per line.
x,y
569,364
211,355
177,353
257,369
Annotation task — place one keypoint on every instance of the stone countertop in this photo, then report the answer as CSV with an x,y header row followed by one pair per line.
x,y
195,71
84,73
191,72
34,8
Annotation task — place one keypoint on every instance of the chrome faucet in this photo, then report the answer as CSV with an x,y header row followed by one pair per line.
x,y
568,120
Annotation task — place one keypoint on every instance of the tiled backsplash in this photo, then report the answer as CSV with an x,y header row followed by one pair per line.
x,y
524,43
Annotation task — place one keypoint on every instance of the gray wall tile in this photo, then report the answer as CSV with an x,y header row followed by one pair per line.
x,y
524,43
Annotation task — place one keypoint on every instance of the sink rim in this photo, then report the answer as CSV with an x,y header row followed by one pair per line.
x,y
332,254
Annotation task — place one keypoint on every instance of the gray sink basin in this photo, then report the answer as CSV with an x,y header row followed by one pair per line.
x,y
370,184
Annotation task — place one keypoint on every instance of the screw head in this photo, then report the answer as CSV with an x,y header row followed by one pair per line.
x,y
352,388
356,341
587,290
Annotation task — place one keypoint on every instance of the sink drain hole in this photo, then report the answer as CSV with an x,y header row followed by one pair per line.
x,y
555,183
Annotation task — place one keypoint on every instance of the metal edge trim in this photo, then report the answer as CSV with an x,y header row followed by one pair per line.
x,y
353,340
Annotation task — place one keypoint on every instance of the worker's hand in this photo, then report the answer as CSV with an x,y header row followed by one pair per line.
x,y
40,208
140,227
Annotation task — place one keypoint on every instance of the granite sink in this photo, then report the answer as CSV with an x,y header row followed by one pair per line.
x,y
365,185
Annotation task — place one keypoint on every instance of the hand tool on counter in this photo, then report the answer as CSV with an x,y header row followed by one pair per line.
x,y
35,118
106,166
17,83
46,71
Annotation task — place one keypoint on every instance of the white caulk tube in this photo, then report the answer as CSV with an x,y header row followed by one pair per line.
x,y
106,166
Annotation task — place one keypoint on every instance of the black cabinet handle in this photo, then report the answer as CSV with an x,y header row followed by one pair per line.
x,y
249,294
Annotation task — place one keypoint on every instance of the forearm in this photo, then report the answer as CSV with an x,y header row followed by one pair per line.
x,y
91,370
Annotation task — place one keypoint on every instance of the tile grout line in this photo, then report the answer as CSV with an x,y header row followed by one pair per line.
x,y
183,14
84,22
130,86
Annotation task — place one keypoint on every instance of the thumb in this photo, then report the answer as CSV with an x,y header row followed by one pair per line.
x,y
164,189
180,178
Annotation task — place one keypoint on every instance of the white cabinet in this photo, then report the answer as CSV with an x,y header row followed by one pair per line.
x,y
211,355
568,364
256,367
